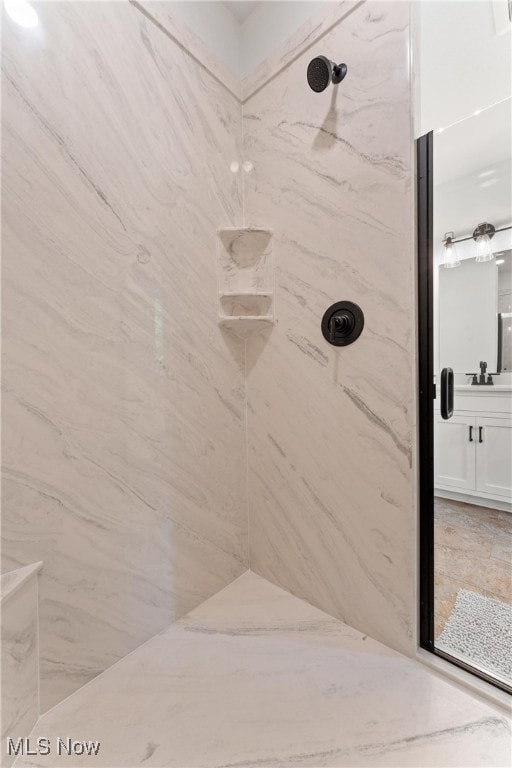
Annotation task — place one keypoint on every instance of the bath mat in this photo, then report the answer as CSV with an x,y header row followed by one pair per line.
x,y
479,631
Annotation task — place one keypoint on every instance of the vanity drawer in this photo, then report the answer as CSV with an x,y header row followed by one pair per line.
x,y
483,402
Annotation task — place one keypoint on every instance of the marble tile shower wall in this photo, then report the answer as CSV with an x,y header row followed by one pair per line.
x,y
330,430
124,440
123,403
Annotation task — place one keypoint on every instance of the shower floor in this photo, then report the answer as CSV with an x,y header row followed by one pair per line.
x,y
257,677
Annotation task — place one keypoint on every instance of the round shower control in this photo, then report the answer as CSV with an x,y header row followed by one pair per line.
x,y
342,323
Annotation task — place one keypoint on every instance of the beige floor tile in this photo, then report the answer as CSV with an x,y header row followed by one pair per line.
x,y
473,550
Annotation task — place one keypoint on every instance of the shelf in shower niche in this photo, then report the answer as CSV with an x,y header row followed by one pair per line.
x,y
242,294
245,303
244,326
245,246
245,280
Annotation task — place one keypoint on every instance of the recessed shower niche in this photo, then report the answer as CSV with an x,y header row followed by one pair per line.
x,y
246,280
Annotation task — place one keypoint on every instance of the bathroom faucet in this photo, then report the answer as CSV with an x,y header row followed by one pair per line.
x,y
477,380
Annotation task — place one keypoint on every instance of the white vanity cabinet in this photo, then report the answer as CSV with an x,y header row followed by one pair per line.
x,y
455,464
494,456
473,449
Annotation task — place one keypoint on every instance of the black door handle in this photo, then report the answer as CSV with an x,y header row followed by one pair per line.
x,y
480,429
470,434
447,393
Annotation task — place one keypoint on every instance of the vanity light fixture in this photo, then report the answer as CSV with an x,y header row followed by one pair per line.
x,y
451,258
482,236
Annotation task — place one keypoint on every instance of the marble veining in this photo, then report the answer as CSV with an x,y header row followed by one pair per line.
x,y
256,677
330,430
123,402
19,654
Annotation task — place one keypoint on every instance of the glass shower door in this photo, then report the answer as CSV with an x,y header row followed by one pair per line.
x,y
467,512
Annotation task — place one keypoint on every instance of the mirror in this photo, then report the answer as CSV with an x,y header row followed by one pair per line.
x,y
472,186
475,314
468,316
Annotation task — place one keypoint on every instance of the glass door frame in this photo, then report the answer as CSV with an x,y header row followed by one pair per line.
x,y
426,396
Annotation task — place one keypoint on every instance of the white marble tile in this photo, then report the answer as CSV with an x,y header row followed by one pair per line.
x,y
331,477
19,655
123,402
256,677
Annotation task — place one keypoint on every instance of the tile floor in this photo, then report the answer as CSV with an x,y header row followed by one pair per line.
x,y
256,677
473,550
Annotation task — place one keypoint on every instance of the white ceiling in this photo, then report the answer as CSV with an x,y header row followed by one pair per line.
x,y
463,61
477,143
242,9
472,177
243,33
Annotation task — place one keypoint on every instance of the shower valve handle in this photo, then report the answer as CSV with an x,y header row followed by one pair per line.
x,y
342,323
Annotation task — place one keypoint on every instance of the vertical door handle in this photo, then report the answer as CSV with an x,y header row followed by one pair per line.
x,y
446,393
470,434
480,430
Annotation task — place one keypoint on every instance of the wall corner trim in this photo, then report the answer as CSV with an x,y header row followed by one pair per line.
x,y
183,36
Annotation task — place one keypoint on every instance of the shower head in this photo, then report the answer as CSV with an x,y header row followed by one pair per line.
x,y
322,71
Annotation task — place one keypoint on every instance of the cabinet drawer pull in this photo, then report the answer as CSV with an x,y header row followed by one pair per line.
x,y
480,430
470,434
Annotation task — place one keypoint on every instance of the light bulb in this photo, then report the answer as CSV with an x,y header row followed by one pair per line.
x,y
483,249
451,258
22,13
